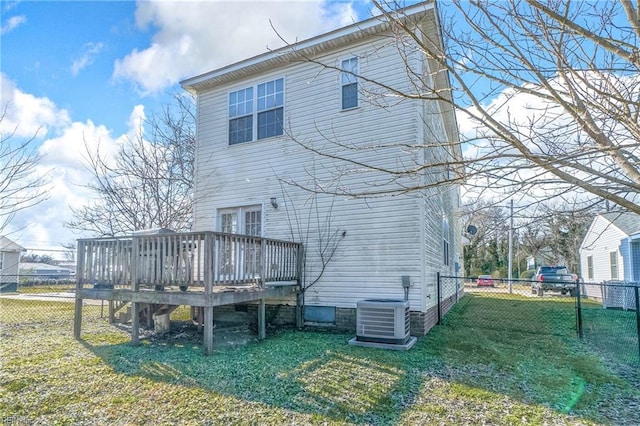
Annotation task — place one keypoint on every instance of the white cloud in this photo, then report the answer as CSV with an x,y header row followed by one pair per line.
x,y
13,23
88,56
26,115
196,37
63,160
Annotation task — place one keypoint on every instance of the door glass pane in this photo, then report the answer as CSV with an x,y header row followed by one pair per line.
x,y
229,223
252,223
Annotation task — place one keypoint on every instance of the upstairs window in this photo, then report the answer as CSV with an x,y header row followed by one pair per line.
x,y
268,119
349,83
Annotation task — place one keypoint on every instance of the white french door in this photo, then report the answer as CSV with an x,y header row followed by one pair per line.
x,y
239,257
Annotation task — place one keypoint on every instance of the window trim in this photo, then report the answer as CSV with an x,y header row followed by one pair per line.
x,y
590,267
255,112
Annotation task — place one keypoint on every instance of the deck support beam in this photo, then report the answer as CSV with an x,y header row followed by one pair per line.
x,y
262,320
208,330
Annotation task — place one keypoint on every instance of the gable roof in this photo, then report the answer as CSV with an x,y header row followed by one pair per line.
x,y
6,245
309,48
627,222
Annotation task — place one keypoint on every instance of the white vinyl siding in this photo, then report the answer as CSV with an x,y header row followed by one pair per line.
x,y
383,237
602,238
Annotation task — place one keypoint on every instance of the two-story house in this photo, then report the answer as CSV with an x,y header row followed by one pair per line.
x,y
287,138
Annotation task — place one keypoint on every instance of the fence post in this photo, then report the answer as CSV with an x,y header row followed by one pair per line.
x,y
637,318
438,293
579,311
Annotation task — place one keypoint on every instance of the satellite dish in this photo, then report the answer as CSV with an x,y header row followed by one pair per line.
x,y
471,230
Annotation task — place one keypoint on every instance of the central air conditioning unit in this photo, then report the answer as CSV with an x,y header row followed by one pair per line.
x,y
383,321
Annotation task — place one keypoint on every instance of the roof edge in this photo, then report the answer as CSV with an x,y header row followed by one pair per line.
x,y
313,45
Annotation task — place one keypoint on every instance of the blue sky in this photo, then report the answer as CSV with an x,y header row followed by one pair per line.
x,y
77,73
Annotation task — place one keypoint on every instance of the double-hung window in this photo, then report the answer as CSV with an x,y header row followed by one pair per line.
x,y
349,83
590,267
613,264
256,117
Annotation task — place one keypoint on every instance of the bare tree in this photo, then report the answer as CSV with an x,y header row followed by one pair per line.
x,y
547,95
313,224
21,187
149,183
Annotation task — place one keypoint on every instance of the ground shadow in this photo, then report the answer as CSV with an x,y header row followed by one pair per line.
x,y
518,350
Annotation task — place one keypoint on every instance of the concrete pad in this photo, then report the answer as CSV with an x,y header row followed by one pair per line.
x,y
395,347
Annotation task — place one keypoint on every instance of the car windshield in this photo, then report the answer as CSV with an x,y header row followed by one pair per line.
x,y
554,270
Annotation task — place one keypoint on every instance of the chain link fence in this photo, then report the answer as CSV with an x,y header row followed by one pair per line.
x,y
33,300
609,318
606,315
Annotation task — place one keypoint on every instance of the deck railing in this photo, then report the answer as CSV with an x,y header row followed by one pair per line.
x,y
186,260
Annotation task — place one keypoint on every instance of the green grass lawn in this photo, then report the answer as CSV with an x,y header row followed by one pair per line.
x,y
486,364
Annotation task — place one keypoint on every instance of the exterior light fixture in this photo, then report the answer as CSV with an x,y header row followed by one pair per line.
x,y
274,202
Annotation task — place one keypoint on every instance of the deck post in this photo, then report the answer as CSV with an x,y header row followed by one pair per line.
x,y
135,323
77,318
135,308
209,260
300,293
262,320
208,330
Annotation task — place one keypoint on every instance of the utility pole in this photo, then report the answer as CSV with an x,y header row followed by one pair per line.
x,y
511,249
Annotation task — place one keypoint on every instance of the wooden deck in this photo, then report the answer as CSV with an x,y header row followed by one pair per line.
x,y
201,270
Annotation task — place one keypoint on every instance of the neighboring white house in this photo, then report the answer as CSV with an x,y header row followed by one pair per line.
x,y
9,264
611,248
259,124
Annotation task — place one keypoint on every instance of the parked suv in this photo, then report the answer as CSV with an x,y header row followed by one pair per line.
x,y
553,278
